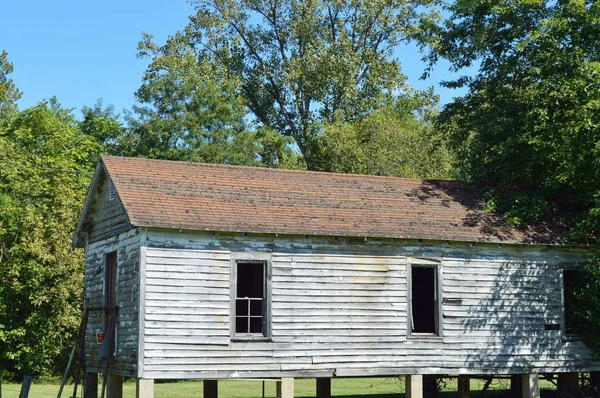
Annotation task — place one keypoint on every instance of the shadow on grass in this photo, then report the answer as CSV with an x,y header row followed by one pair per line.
x,y
447,394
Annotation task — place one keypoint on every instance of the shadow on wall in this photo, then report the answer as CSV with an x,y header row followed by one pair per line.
x,y
514,312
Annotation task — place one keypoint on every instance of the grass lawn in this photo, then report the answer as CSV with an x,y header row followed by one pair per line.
x,y
347,388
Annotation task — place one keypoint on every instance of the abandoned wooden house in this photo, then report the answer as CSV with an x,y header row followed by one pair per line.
x,y
216,272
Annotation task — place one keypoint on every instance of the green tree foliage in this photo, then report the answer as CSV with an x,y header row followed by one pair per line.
x,y
295,65
531,116
9,94
103,124
188,111
391,141
45,165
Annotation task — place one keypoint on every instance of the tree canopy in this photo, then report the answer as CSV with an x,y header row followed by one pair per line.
x,y
390,141
531,116
188,111
9,94
293,65
44,174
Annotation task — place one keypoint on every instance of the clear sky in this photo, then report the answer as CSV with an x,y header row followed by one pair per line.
x,y
83,50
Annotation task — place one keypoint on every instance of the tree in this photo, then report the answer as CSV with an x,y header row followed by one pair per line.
x,y
9,94
391,141
296,65
45,171
105,126
531,116
189,112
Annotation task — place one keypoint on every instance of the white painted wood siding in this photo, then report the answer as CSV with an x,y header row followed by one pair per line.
x,y
339,307
127,246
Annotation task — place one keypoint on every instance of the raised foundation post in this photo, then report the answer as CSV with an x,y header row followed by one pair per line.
x,y
114,386
324,387
531,385
285,387
211,389
90,385
144,388
414,386
464,386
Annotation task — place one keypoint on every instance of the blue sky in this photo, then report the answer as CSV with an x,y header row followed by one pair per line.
x,y
81,51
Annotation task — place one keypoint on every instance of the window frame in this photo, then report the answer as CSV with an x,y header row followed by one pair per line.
x,y
252,257
436,265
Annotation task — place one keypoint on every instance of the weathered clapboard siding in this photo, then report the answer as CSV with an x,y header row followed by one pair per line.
x,y
127,245
339,307
188,305
108,216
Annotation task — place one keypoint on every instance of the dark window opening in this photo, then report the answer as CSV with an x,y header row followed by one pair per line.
x,y
572,283
110,301
250,302
110,279
424,300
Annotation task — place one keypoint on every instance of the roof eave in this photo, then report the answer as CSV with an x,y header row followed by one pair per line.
x,y
449,240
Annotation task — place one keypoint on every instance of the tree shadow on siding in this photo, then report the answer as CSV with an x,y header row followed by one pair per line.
x,y
512,314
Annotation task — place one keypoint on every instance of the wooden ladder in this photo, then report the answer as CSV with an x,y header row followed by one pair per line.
x,y
80,344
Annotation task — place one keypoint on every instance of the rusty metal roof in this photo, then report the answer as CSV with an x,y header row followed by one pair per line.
x,y
195,196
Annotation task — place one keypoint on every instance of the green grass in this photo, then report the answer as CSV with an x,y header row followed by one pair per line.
x,y
304,388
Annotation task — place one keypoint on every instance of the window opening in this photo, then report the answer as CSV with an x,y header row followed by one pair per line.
x,y
250,302
571,283
424,303
110,279
110,301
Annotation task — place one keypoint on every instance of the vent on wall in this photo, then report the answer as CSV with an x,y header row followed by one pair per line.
x,y
111,191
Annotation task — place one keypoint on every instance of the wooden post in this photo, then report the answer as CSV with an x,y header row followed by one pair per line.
x,y
414,386
25,387
144,388
90,385
114,386
285,387
324,387
531,385
464,386
211,389
568,385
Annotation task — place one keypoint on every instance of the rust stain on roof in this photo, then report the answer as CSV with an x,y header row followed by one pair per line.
x,y
196,196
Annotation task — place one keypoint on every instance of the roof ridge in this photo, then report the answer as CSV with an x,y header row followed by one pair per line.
x,y
291,171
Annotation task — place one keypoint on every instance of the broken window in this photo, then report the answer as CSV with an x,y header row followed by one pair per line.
x,y
424,300
572,281
251,298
